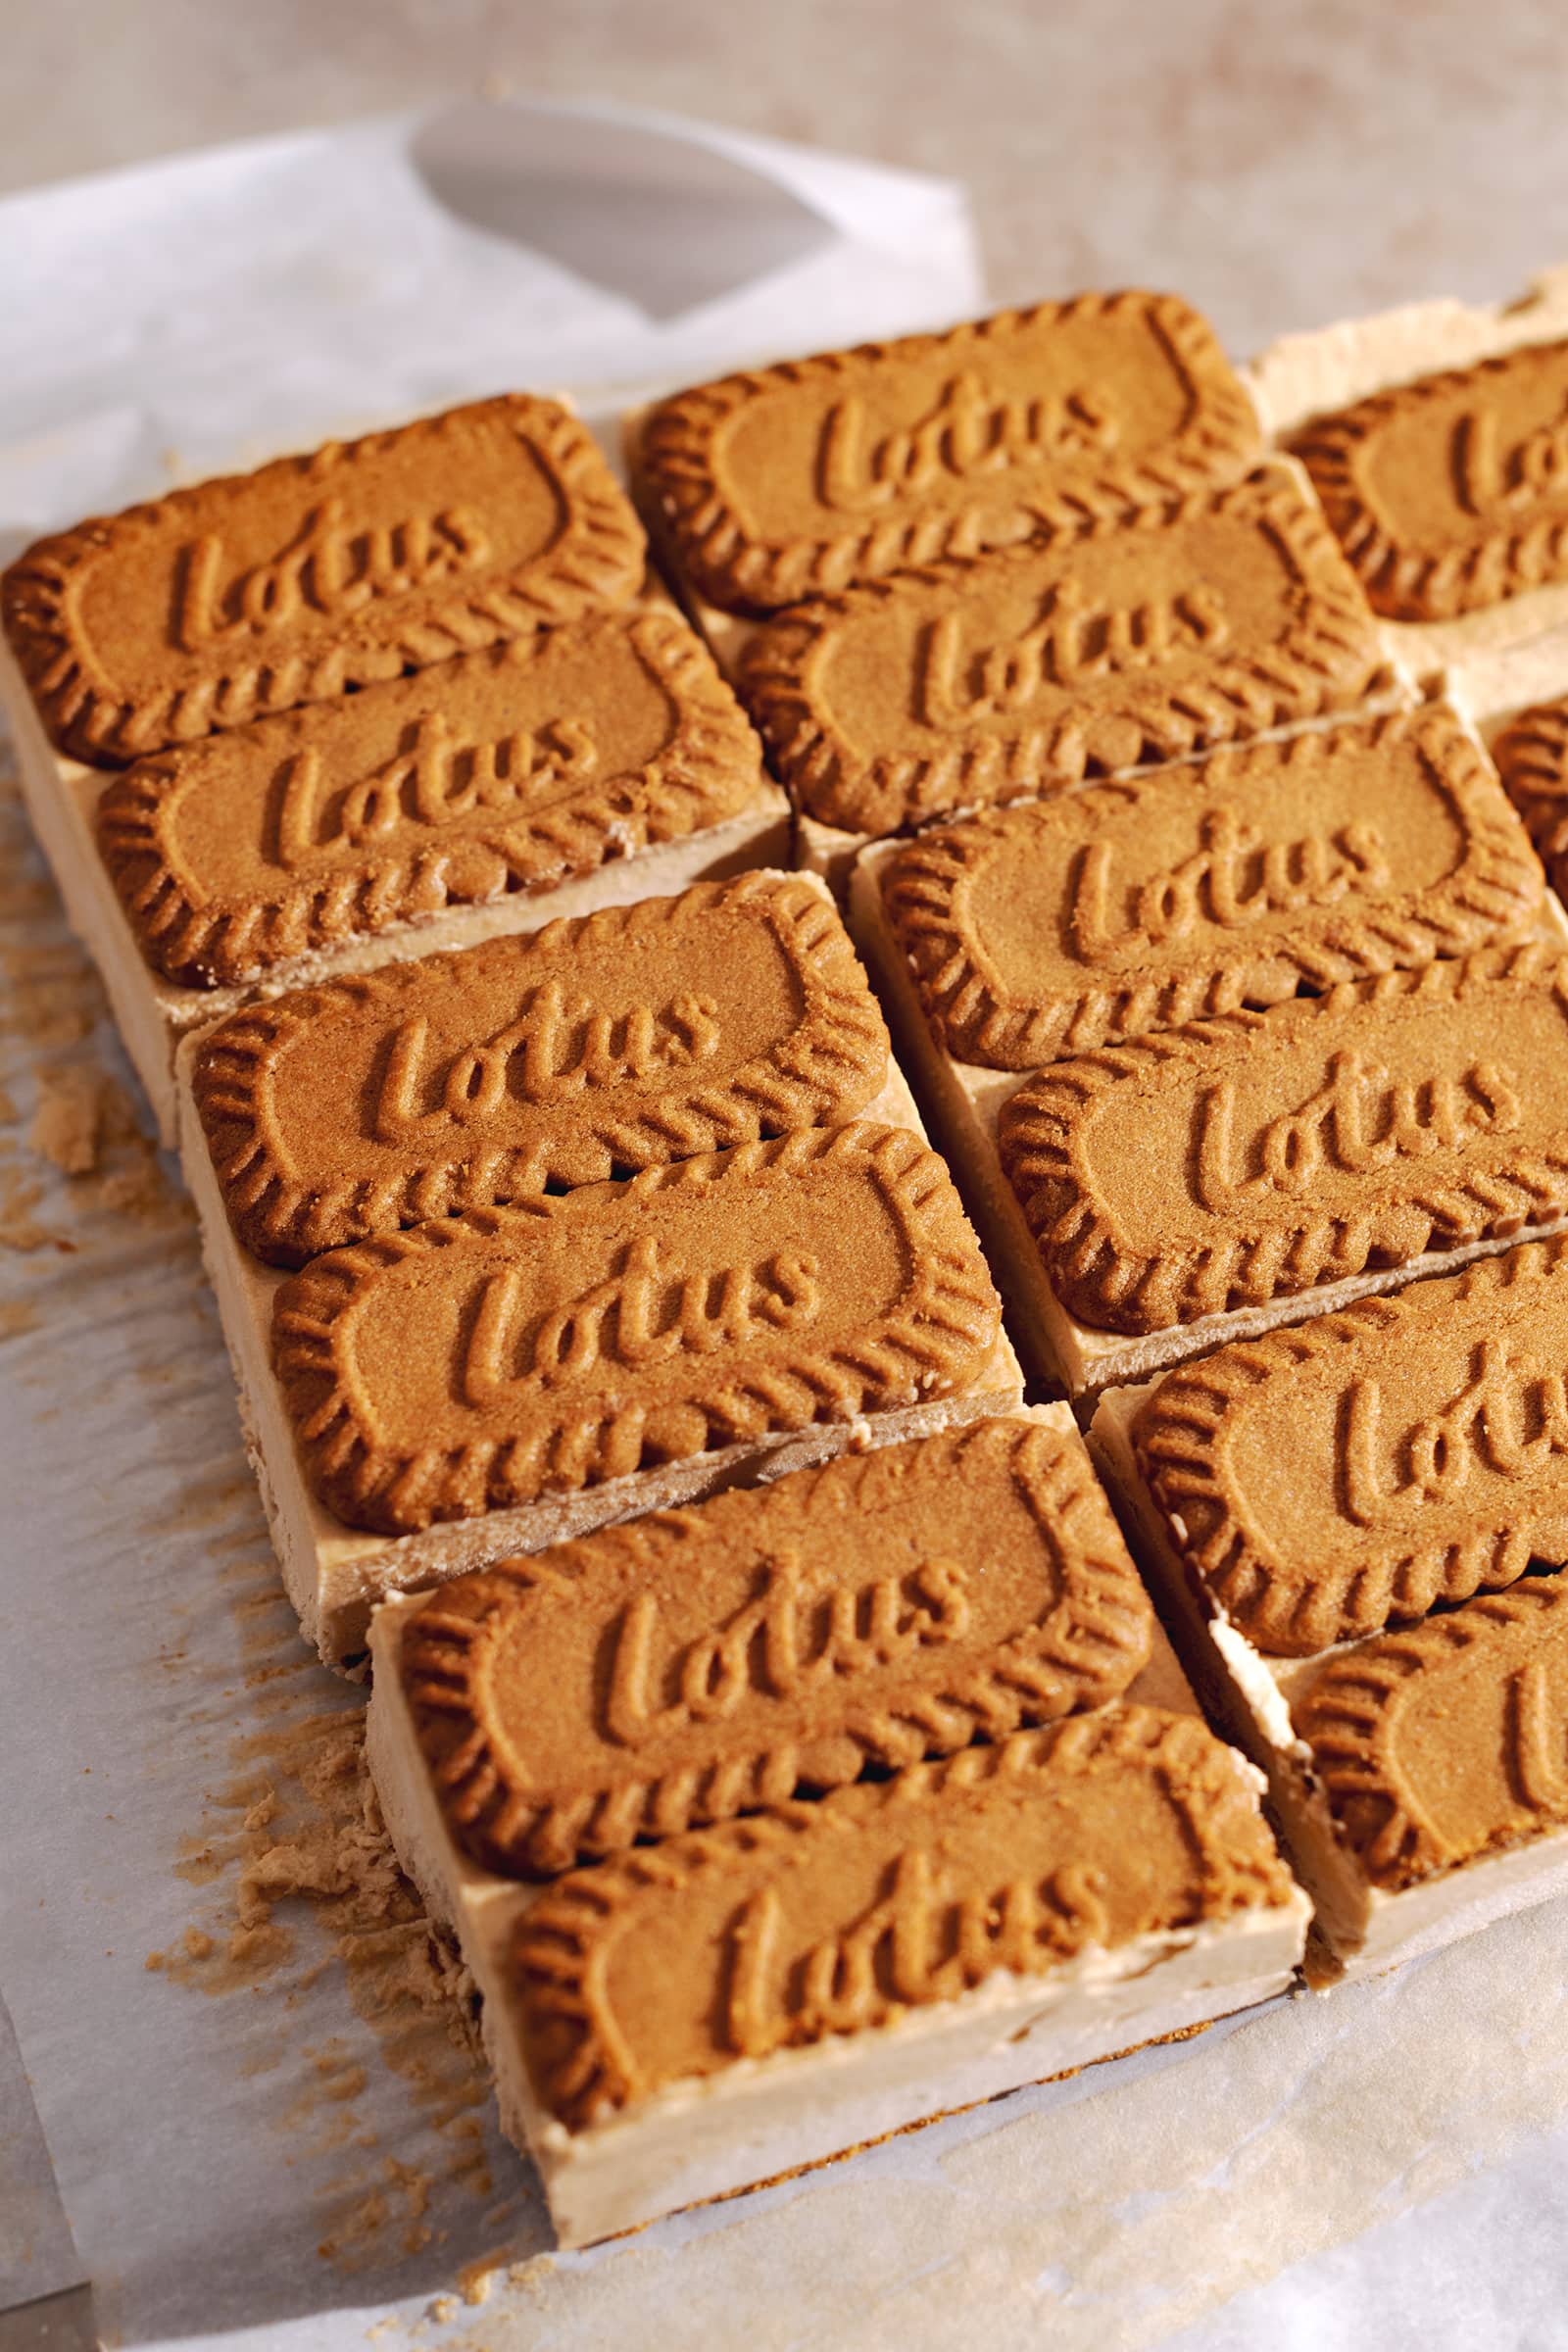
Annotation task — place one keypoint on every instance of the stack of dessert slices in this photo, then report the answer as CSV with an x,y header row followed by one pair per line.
x,y
763,1693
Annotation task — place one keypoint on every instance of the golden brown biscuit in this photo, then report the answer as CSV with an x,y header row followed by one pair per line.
x,y
782,482
810,1922
366,559
1450,493
588,1050
770,1641
1370,1465
508,772
1218,1167
1052,927
498,1357
1102,648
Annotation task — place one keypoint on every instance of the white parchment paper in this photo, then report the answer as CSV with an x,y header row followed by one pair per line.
x,y
266,2136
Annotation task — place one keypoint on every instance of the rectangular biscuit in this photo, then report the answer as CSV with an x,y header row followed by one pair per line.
x,y
820,1382
1379,399
588,1050
605,763
1303,1502
1026,1907
366,559
771,1642
782,482
1052,927
1097,649
1107,1278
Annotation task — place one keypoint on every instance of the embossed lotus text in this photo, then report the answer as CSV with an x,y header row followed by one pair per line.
x,y
1074,641
621,1040
971,431
1511,1418
653,1308
1364,1467
1052,927
799,1632
331,567
1359,1120
1233,878
558,1048
438,781
1497,478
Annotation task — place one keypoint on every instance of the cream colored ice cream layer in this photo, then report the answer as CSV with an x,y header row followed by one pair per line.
x,y
1358,1929
963,1103
758,2119
154,1013
335,1574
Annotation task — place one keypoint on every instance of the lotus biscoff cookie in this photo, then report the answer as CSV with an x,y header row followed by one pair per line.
x,y
1102,648
771,1642
503,1355
1450,493
1051,927
774,485
359,563
511,771
1352,1521
1259,1154
585,1051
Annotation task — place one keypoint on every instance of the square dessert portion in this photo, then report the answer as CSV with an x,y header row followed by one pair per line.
x,y
1434,437
629,1775
584,1222
1357,1530
1165,1143
529,716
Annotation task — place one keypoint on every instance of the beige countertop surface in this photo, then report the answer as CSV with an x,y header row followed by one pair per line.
x,y
1280,165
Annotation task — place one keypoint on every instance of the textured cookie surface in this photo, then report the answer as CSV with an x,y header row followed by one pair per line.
x,y
1053,925
819,1920
1105,646
1218,1167
1532,756
508,770
777,484
592,1049
509,1353
1446,1742
766,1642
366,559
1452,493
1367,1465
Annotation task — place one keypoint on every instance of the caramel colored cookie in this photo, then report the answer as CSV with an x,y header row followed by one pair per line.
x,y
1452,493
368,558
510,770
1051,927
1531,756
814,1920
1368,1465
1100,648
508,1353
785,481
591,1049
1251,1156
766,1642
1446,1742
